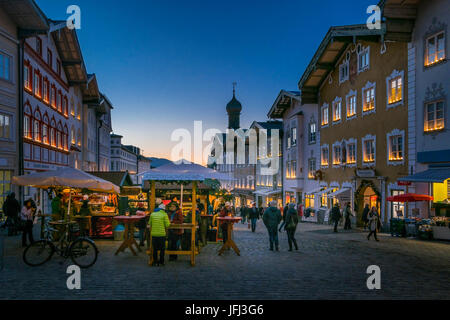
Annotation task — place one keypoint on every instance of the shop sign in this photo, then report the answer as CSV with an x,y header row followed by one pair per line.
x,y
365,173
404,183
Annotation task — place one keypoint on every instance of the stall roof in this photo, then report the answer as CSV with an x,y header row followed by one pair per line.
x,y
119,178
437,175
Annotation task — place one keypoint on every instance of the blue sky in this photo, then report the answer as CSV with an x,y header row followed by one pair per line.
x,y
165,64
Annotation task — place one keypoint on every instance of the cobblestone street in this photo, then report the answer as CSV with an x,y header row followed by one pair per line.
x,y
327,266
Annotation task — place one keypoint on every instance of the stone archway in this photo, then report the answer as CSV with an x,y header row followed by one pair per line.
x,y
366,193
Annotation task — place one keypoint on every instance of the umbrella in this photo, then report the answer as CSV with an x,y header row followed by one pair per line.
x,y
65,177
410,197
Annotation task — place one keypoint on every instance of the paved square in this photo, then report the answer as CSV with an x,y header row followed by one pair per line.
x,y
327,266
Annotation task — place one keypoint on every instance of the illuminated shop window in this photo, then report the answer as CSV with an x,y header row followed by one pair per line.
x,y
435,49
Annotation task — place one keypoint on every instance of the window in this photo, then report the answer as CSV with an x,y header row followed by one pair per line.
x,y
72,136
324,156
50,58
5,66
325,115
288,138
369,151
26,126
394,85
37,127
45,134
65,106
72,107
351,105
434,116
309,201
363,58
324,200
312,132
46,91
59,101
337,110
5,126
369,99
396,148
53,96
5,185
435,49
294,169
39,46
312,168
288,169
397,208
337,155
343,71
294,136
351,153
27,73
37,84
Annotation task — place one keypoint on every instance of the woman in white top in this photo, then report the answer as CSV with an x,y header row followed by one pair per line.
x,y
27,217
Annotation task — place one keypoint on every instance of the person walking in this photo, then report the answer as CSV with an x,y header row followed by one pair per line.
x,y
348,214
27,217
159,224
271,219
254,216
176,217
374,222
336,216
291,222
365,216
11,209
244,214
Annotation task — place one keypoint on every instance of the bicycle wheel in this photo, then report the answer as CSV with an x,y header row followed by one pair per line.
x,y
38,253
83,253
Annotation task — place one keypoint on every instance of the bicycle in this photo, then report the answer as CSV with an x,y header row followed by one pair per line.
x,y
82,250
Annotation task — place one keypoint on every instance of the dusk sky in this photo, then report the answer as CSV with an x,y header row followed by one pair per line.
x,y
165,64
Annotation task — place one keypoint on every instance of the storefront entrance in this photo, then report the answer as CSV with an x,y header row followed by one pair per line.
x,y
367,194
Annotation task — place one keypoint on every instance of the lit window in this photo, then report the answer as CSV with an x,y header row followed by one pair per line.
x,y
5,126
26,126
369,100
37,84
351,106
294,169
53,96
435,49
59,102
369,151
395,90
324,114
5,67
46,91
288,170
45,138
324,156
337,111
309,201
27,77
351,153
434,116
396,148
337,155
324,200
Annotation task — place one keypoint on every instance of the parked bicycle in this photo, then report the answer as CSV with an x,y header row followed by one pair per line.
x,y
81,250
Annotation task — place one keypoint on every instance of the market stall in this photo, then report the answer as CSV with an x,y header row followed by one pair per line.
x,y
181,175
76,184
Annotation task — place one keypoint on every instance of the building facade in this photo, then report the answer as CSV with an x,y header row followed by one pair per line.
x,y
122,158
429,92
360,84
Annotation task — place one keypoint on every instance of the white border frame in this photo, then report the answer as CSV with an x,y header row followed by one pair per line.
x,y
392,76
363,140
350,94
355,142
363,51
335,101
369,85
336,144
322,147
325,105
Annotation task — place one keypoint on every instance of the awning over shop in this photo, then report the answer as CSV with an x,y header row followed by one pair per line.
x,y
266,192
410,197
317,190
326,191
437,175
340,193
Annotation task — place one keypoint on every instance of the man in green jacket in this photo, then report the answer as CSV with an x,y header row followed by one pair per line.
x,y
159,223
271,219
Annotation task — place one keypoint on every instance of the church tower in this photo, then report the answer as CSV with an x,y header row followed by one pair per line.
x,y
234,109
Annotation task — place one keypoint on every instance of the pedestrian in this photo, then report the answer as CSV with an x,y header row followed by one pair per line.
x,y
254,216
159,223
27,218
175,217
336,216
374,223
271,219
365,216
226,211
291,222
348,214
85,211
244,214
11,209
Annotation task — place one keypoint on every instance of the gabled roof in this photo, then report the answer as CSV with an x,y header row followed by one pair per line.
x,y
328,54
69,51
268,125
119,178
399,16
105,104
91,94
27,16
282,103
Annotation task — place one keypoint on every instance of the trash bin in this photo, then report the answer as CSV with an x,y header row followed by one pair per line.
x,y
119,233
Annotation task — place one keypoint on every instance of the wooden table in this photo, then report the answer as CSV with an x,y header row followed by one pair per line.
x,y
129,240
230,221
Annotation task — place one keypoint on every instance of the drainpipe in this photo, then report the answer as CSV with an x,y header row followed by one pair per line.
x,y
19,135
98,145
